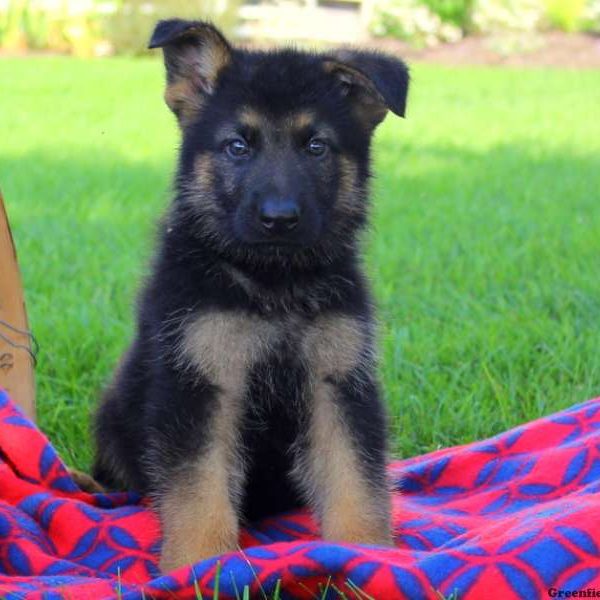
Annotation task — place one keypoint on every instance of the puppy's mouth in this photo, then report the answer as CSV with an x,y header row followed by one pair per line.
x,y
279,243
256,241
276,246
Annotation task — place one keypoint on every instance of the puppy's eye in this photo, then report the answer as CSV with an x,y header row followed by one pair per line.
x,y
316,147
237,148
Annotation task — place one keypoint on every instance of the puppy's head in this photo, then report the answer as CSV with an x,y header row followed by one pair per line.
x,y
275,145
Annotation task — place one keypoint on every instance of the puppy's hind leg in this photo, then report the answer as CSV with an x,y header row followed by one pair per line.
x,y
119,426
85,482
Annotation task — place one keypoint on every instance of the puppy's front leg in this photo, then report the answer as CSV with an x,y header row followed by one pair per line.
x,y
199,511
198,500
343,463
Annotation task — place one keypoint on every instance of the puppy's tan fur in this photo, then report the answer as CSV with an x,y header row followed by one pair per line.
x,y
199,512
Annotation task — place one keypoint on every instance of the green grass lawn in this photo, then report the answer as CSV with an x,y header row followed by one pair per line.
x,y
485,250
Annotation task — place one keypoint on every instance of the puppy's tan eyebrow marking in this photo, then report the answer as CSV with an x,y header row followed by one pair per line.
x,y
306,124
245,121
301,120
248,117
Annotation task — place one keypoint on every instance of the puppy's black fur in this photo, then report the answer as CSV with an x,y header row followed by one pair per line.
x,y
250,386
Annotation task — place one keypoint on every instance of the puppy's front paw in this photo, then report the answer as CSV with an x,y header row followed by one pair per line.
x,y
196,528
183,552
359,534
360,523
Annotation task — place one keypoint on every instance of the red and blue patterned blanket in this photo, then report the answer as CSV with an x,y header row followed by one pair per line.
x,y
516,516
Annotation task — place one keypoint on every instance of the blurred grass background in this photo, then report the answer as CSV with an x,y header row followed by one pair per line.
x,y
484,252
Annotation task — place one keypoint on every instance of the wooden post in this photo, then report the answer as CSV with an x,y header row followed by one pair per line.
x,y
16,360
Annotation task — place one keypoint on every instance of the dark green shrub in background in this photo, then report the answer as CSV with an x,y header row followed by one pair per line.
x,y
457,12
414,22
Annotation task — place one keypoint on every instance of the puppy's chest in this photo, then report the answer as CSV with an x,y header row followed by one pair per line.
x,y
240,352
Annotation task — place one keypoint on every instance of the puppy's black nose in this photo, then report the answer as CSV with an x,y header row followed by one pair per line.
x,y
279,215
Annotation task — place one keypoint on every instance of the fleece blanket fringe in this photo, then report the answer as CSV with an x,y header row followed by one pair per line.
x,y
515,516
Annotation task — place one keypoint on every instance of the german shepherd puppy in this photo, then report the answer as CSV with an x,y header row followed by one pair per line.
x,y
250,387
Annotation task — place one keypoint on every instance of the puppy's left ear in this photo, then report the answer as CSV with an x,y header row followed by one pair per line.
x,y
374,82
195,53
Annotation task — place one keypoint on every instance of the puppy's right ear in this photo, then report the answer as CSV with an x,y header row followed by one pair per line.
x,y
195,53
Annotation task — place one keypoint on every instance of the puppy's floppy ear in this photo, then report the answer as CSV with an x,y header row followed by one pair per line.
x,y
195,53
374,82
